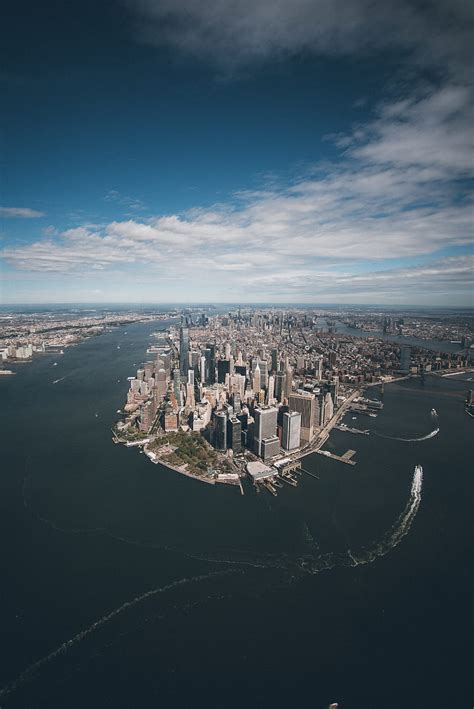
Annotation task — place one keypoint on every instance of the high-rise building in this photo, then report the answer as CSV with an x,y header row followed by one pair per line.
x,y
203,370
270,447
190,399
320,412
265,425
305,404
220,431
280,378
291,430
405,358
288,382
161,383
241,369
256,382
184,350
211,363
263,365
223,368
271,390
328,407
176,383
274,360
234,434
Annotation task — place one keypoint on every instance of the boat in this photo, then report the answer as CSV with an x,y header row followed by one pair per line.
x,y
55,364
118,347
434,412
418,469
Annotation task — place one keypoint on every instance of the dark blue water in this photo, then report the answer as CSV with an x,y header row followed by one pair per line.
x,y
433,345
127,585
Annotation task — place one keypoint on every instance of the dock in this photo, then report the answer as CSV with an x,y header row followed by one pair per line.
x,y
351,429
346,458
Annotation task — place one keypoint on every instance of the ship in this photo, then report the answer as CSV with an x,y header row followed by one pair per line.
x,y
418,469
434,412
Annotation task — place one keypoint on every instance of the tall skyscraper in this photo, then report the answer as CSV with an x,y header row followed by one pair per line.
x,y
405,358
271,390
234,434
274,360
288,382
212,363
256,382
305,404
176,383
291,430
263,364
220,431
265,425
184,350
280,379
223,368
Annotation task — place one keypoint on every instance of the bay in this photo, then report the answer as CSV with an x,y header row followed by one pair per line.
x,y
292,601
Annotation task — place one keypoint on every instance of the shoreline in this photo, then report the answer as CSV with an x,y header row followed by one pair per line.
x,y
159,461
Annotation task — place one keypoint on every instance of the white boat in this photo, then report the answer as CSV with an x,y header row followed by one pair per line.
x,y
55,364
418,469
434,412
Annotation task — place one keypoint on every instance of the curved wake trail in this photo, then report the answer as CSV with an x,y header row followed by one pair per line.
x,y
429,435
399,530
311,563
308,563
30,671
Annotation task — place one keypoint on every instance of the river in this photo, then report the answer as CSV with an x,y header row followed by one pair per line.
x,y
125,584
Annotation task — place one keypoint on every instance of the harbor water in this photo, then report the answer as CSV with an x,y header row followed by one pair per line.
x,y
125,584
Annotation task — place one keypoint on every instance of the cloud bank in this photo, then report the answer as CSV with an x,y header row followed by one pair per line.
x,y
244,31
22,212
341,231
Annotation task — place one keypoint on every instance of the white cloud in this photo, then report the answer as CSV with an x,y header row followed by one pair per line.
x,y
21,212
246,31
335,231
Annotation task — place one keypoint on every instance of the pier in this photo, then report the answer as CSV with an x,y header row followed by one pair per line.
x,y
349,429
346,458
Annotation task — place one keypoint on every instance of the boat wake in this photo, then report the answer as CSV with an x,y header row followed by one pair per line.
x,y
399,530
294,565
32,670
312,563
429,435
56,381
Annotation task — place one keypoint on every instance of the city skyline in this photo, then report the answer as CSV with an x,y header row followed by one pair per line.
x,y
278,153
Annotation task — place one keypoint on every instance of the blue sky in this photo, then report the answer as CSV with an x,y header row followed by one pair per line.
x,y
300,151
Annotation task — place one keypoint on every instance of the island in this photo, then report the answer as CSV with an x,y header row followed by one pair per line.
x,y
248,393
